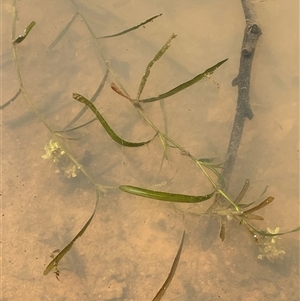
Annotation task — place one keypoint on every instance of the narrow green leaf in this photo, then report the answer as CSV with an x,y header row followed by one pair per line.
x,y
164,145
20,38
107,128
267,233
265,190
131,28
76,127
215,171
166,284
68,247
186,84
243,192
253,216
120,92
263,204
93,99
246,205
151,63
209,161
164,196
162,105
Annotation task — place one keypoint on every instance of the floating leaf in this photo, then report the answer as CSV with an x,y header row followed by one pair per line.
x,y
107,128
164,196
130,29
166,284
185,85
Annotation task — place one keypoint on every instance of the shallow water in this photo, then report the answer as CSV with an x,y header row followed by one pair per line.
x,y
128,250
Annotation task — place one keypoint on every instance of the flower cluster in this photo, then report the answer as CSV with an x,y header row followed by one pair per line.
x,y
270,246
59,156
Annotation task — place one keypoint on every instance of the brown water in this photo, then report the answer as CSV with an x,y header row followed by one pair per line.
x,y
127,251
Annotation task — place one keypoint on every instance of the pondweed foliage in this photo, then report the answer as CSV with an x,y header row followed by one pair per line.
x,y
57,151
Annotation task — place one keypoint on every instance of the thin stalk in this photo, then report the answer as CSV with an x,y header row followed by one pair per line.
x,y
178,146
140,110
38,114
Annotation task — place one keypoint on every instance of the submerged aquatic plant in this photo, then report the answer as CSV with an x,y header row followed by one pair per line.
x,y
224,206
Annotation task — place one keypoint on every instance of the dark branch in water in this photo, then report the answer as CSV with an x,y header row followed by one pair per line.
x,y
243,110
242,81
